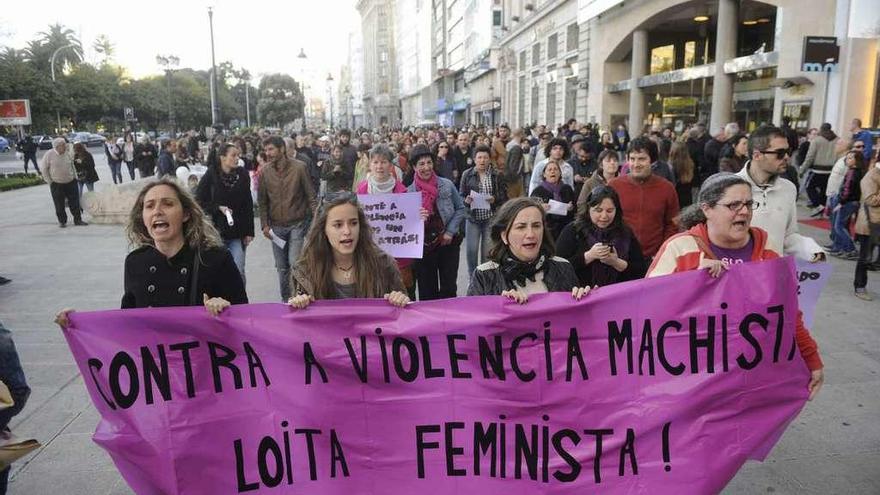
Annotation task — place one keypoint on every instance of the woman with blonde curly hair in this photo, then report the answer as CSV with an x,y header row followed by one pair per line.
x,y
179,258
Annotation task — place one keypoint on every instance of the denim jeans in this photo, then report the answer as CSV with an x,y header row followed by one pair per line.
x,y
842,240
286,257
131,169
116,171
83,185
237,249
832,203
12,375
477,243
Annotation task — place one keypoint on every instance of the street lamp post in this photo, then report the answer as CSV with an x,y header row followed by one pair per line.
x,y
52,68
168,62
330,88
215,111
247,100
302,82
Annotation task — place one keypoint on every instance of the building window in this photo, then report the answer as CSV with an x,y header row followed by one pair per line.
x,y
536,54
570,98
662,59
572,36
522,60
535,100
383,56
458,84
496,18
552,46
551,105
521,104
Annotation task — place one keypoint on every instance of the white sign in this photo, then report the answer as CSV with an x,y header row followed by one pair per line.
x,y
396,223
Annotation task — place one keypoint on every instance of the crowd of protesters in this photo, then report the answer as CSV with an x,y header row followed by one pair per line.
x,y
538,210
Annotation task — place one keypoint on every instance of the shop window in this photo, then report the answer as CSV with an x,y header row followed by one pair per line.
x,y
690,53
662,59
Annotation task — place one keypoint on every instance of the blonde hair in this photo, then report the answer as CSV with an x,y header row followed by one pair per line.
x,y
198,231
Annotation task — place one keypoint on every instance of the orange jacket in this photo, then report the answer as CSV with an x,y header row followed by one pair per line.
x,y
685,251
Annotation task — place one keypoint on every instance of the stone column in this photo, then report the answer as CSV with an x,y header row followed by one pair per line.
x,y
725,49
639,69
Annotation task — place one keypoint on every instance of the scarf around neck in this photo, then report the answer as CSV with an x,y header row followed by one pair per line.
x,y
376,187
516,271
554,189
430,191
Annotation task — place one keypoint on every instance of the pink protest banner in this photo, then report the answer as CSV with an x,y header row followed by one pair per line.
x,y
665,385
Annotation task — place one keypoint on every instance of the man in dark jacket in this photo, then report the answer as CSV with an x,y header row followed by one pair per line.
x,y
166,158
696,144
28,148
349,152
712,151
12,375
581,161
461,153
145,157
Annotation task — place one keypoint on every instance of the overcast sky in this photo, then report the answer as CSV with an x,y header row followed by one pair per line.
x,y
261,36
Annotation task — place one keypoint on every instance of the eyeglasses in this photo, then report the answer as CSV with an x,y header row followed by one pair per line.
x,y
780,154
736,206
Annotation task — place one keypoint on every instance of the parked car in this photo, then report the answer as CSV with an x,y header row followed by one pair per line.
x,y
43,142
4,144
96,140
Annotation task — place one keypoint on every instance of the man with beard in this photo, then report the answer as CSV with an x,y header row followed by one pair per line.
x,y
286,200
349,152
461,152
499,147
775,196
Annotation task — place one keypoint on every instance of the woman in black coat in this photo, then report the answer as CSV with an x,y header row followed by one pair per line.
x,y
553,188
84,163
602,249
179,260
224,193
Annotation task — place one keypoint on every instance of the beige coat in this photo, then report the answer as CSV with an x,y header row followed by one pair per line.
x,y
870,196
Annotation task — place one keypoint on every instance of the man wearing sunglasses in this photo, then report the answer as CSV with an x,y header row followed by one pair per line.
x,y
775,197
860,134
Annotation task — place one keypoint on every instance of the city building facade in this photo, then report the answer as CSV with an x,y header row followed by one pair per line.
x,y
641,63
380,94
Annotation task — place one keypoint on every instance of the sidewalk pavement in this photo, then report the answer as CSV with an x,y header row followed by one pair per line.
x,y
832,447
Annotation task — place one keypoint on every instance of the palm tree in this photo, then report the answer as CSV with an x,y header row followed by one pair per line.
x,y
57,37
103,46
12,56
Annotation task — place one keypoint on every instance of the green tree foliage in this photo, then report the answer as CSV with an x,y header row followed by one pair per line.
x,y
280,100
90,96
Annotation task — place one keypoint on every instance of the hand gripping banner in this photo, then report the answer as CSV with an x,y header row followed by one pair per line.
x,y
665,385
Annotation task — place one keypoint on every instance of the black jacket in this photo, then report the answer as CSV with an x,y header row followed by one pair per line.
x,y
470,181
557,222
152,280
85,167
166,164
213,193
145,163
488,280
572,244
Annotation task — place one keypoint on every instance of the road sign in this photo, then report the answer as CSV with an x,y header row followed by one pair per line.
x,y
15,112
129,114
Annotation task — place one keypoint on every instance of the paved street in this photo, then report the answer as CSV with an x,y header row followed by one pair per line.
x,y
833,447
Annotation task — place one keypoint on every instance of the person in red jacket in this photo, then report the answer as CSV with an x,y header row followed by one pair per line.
x,y
720,235
649,202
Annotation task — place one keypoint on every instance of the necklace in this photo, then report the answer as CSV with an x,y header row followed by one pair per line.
x,y
346,272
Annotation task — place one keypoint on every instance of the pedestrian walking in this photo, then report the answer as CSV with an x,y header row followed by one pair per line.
x,y
58,172
286,202
224,193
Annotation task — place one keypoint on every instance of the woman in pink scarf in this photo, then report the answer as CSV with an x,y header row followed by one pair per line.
x,y
443,212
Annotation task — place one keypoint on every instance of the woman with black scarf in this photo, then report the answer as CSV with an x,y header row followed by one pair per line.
x,y
522,261
600,247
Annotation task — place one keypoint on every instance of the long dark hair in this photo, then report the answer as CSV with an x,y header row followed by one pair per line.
x,y
215,154
198,231
583,222
504,220
315,263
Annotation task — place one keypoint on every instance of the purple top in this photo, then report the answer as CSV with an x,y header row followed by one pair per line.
x,y
734,256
